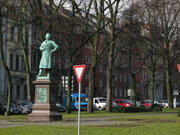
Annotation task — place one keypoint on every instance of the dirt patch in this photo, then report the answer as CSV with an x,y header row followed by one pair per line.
x,y
158,121
153,120
120,125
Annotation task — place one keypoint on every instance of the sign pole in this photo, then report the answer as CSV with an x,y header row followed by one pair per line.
x,y
79,71
79,109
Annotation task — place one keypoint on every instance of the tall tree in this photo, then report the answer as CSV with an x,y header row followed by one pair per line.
x,y
3,14
113,7
92,14
164,14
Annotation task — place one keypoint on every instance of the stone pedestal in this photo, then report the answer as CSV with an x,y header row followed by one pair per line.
x,y
44,108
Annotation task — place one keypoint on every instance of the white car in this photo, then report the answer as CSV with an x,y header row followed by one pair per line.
x,y
164,103
99,103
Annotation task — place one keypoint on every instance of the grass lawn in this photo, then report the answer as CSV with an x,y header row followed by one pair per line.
x,y
147,129
166,124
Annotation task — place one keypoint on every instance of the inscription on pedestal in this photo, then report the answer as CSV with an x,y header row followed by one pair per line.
x,y
41,95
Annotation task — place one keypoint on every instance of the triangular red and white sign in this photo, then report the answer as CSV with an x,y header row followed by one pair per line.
x,y
79,71
178,66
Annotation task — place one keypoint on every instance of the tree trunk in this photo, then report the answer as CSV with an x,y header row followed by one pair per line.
x,y
68,108
3,63
133,89
25,52
152,82
168,85
91,90
109,82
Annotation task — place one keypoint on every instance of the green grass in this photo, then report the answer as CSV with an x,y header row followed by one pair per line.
x,y
86,114
13,117
170,117
171,110
150,129
166,124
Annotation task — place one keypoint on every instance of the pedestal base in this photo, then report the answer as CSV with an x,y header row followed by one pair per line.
x,y
44,108
40,116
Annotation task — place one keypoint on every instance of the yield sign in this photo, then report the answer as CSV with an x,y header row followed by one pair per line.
x,y
178,66
79,71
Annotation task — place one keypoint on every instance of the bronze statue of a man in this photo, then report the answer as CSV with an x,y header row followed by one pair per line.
x,y
47,47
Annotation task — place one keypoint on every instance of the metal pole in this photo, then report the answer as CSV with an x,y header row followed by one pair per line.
x,y
79,110
175,101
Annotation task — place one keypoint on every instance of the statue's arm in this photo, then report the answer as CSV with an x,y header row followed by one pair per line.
x,y
42,48
55,46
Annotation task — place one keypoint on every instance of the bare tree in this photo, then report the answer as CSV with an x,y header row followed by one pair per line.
x,y
164,15
113,7
3,14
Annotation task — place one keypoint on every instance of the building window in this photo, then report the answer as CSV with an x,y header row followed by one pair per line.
x,y
116,92
120,78
116,77
88,45
86,89
88,60
25,92
125,79
22,63
34,59
125,93
12,34
34,34
17,91
120,92
17,62
11,61
100,68
101,83
87,75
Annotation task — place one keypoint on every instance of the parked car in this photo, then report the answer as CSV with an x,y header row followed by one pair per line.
x,y
75,101
147,103
163,103
114,104
60,107
14,109
123,102
1,108
25,105
139,104
99,103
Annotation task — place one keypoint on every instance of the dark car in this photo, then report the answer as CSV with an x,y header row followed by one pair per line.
x,y
123,102
1,108
13,109
25,106
60,107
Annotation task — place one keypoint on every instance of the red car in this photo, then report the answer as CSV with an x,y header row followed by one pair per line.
x,y
146,103
123,102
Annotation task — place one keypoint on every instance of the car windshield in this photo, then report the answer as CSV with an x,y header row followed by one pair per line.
x,y
127,101
13,105
26,103
102,100
83,99
147,101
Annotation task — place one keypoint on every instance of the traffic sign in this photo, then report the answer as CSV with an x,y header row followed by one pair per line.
x,y
178,66
79,71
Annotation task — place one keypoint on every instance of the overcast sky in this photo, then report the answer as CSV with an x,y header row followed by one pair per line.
x,y
67,5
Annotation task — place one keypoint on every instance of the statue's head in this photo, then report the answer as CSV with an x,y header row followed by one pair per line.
x,y
48,36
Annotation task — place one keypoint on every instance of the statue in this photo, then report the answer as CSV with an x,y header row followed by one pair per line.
x,y
47,47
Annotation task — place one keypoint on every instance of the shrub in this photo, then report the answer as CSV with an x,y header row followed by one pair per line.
x,y
156,108
130,109
178,113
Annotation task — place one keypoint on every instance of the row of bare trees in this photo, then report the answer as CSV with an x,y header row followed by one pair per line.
x,y
99,20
